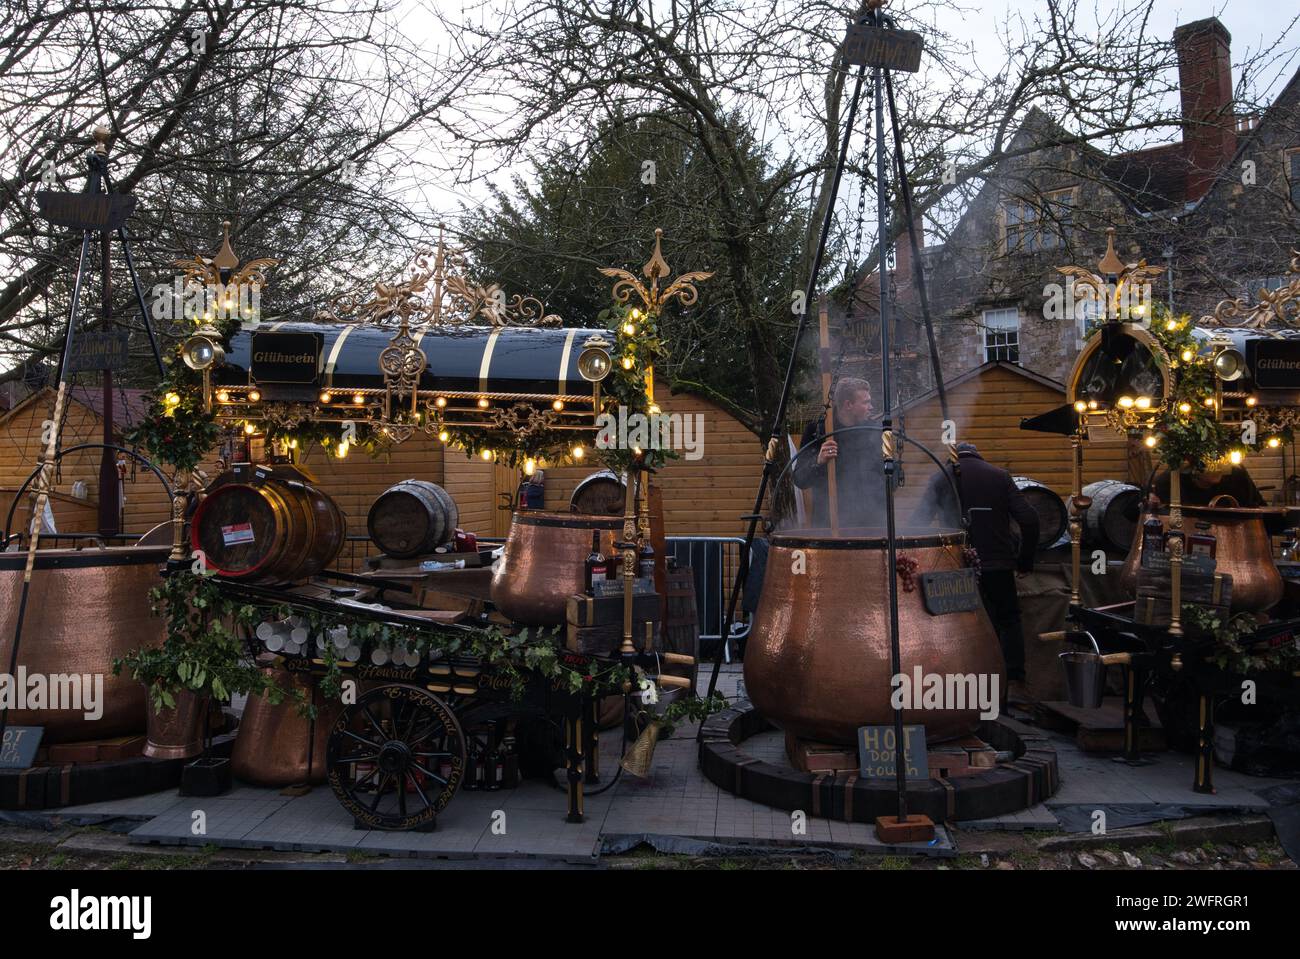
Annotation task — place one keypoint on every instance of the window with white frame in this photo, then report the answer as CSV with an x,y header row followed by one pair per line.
x,y
1002,335
1045,223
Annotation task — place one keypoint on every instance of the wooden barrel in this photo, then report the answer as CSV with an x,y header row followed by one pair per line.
x,y
274,531
601,494
412,518
1052,516
1111,520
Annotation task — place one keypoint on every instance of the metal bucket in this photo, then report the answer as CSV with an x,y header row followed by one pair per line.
x,y
1085,676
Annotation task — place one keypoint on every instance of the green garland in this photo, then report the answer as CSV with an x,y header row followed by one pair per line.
x,y
1231,655
176,429
637,348
200,653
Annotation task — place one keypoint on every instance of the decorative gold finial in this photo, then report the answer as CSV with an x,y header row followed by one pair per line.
x,y
101,134
225,258
656,269
1111,264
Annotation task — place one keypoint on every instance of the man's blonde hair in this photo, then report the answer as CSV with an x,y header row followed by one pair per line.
x,y
849,387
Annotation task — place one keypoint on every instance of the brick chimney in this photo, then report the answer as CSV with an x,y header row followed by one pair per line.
x,y
1209,121
903,257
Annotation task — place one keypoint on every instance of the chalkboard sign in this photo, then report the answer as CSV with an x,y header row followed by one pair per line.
x,y
877,752
100,351
1196,563
891,49
950,591
19,745
286,357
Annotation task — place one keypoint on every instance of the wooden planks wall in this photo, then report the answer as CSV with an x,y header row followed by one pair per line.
x,y
704,496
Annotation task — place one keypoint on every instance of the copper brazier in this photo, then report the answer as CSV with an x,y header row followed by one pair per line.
x,y
818,659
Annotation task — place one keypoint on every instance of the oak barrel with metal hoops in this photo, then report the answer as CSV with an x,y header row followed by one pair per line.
x,y
601,494
412,518
1113,516
1052,516
275,531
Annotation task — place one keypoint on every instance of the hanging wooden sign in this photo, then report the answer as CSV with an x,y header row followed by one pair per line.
x,y
877,47
100,351
85,211
950,591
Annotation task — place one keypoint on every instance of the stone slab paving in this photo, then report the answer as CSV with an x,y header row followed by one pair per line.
x,y
675,806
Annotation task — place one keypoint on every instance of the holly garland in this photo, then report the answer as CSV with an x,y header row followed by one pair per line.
x,y
637,348
1186,432
176,429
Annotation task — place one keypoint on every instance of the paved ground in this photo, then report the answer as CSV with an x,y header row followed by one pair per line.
x,y
676,812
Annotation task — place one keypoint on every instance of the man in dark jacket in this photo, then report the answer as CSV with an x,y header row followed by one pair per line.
x,y
859,464
991,494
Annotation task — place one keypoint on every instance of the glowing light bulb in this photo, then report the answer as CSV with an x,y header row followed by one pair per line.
x,y
358,399
1126,402
173,399
343,449
557,405
1187,356
483,403
530,466
1171,326
250,429
487,455
293,443
654,409
223,396
629,329
254,396
1080,406
1143,402
628,362
1092,404
1251,401
325,396
1274,442
1209,401
579,452
443,436
1235,457
440,402
1151,441
1184,407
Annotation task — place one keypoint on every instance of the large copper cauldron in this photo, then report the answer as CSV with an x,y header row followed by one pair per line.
x,y
86,607
278,746
818,658
543,563
1243,549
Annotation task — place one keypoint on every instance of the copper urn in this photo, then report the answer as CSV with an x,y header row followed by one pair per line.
x,y
1243,549
277,745
544,561
818,659
177,732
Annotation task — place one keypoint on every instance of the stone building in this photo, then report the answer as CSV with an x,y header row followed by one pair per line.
x,y
1220,208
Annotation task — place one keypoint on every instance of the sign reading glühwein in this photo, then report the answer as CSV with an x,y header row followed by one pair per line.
x,y
877,47
288,357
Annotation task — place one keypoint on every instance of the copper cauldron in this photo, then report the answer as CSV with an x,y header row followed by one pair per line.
x,y
278,746
1243,549
86,607
177,732
818,658
544,561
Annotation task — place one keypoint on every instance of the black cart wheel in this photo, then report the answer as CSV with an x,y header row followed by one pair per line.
x,y
396,757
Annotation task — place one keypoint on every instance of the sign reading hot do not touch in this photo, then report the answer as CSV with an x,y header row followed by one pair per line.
x,y
878,750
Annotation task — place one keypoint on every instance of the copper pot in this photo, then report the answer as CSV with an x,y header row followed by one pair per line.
x,y
543,563
272,745
1243,549
176,733
85,608
818,658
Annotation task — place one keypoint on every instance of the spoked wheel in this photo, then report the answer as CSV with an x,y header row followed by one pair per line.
x,y
396,757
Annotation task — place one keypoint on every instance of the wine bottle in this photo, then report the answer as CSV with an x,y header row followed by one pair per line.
x,y
594,571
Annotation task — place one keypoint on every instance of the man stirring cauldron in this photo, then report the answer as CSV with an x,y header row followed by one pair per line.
x,y
859,464
990,496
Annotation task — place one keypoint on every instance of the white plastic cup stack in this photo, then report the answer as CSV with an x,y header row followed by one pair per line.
x,y
273,635
379,656
352,653
339,637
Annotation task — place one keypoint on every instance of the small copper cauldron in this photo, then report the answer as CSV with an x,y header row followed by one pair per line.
x,y
543,563
1243,549
818,658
